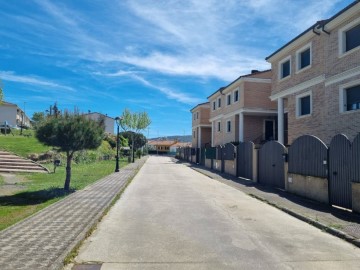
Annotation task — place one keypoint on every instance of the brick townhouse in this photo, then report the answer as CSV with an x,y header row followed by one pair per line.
x,y
201,126
316,79
242,110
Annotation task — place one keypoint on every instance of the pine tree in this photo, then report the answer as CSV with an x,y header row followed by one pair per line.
x,y
70,133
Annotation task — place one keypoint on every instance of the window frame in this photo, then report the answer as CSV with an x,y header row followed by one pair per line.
x,y
236,91
197,115
214,105
228,99
228,126
342,38
219,102
343,98
298,57
298,104
218,129
280,69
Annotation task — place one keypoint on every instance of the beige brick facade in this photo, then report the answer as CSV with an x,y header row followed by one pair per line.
x,y
331,72
244,106
201,126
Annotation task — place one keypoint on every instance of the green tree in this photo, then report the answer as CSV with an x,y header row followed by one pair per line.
x,y
135,122
70,133
139,139
38,118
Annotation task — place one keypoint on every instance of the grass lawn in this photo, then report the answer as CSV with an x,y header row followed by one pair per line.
x,y
22,146
42,189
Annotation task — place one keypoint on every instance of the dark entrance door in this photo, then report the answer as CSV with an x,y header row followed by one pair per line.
x,y
269,130
271,164
340,172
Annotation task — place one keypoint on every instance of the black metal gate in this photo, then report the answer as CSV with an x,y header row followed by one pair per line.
x,y
220,157
355,167
245,152
340,171
202,156
271,164
197,156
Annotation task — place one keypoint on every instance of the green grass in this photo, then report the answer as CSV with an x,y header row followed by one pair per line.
x,y
42,190
21,145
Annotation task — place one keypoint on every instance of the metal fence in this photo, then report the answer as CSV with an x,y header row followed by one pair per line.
x,y
245,160
308,156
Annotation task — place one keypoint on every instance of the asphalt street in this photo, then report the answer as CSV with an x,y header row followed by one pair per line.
x,y
172,217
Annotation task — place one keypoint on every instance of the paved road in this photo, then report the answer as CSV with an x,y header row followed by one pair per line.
x,y
172,217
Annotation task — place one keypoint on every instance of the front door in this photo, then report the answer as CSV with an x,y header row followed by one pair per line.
x,y
269,130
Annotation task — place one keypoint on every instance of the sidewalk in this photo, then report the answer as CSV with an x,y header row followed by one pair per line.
x,y
43,240
341,223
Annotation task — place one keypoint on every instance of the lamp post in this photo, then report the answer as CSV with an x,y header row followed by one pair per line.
x,y
118,122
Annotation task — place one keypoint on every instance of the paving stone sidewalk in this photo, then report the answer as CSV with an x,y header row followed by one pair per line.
x,y
43,240
341,223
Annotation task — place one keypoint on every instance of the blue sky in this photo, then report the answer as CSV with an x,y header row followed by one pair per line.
x,y
158,56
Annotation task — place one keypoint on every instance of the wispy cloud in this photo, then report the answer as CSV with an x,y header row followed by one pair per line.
x,y
169,93
32,80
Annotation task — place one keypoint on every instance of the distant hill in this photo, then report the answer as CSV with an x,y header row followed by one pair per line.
x,y
180,138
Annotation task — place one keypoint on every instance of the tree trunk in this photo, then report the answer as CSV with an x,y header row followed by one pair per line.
x,y
68,171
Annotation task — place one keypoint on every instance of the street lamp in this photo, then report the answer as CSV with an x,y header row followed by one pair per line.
x,y
118,123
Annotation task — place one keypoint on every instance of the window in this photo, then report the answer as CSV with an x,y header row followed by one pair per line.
x,y
285,68
219,102
193,133
228,126
228,99
194,116
214,105
197,115
349,37
236,96
352,38
303,105
303,57
352,98
218,126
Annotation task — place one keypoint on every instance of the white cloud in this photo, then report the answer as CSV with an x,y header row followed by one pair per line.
x,y
32,80
169,93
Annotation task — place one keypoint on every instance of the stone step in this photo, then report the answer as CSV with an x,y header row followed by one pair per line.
x,y
25,167
15,161
10,157
12,163
11,170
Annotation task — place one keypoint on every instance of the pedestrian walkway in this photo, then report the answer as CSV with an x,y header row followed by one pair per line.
x,y
43,240
339,222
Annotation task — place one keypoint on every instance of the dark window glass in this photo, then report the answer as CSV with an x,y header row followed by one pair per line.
x,y
285,69
236,96
305,105
352,38
353,98
214,105
305,58
219,127
219,102
228,126
228,99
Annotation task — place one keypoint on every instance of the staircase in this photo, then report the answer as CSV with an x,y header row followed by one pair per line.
x,y
11,163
